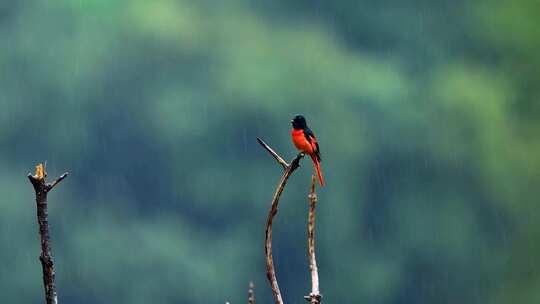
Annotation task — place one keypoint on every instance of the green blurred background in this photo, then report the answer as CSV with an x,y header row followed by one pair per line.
x,y
426,111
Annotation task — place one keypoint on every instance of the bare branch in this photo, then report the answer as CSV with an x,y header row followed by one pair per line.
x,y
289,169
314,297
42,188
57,181
278,158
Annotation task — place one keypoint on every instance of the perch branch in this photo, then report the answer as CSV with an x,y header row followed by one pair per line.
x,y
289,169
42,188
251,293
314,297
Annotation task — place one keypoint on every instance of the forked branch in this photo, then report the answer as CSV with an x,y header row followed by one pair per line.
x,y
42,188
289,169
314,296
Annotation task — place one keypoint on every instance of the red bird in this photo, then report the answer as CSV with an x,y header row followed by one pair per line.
x,y
304,139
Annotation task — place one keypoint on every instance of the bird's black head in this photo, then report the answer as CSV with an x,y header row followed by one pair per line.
x,y
299,122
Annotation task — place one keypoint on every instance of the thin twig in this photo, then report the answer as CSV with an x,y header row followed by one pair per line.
x,y
56,181
289,169
278,158
251,293
314,297
42,188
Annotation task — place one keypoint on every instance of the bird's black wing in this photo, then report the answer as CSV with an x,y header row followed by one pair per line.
x,y
311,139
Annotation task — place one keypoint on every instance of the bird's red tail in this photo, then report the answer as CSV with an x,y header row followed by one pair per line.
x,y
318,169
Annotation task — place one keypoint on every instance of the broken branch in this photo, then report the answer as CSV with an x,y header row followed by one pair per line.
x,y
42,188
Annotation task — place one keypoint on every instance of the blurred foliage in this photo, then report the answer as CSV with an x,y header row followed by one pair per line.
x,y
426,111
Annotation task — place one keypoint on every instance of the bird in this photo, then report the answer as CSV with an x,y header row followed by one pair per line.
x,y
305,141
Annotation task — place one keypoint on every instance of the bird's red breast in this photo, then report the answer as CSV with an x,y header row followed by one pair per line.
x,y
300,141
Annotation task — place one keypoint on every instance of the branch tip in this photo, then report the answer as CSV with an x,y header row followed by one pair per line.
x,y
276,156
57,181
